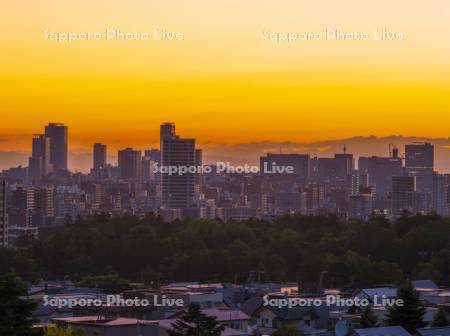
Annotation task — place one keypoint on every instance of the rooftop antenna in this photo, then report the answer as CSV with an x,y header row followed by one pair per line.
x,y
345,149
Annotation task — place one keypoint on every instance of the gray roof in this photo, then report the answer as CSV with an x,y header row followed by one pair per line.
x,y
382,331
251,305
294,313
441,331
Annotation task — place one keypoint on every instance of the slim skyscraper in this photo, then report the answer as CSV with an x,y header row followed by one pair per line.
x,y
58,134
177,190
99,156
39,162
130,164
440,195
44,206
403,188
3,215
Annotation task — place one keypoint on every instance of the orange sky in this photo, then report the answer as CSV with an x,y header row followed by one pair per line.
x,y
223,83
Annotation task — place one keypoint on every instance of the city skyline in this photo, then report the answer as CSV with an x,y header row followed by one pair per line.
x,y
175,182
81,159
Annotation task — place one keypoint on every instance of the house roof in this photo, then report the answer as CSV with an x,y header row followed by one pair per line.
x,y
294,313
382,331
388,292
221,314
251,305
424,284
168,325
102,321
441,331
224,314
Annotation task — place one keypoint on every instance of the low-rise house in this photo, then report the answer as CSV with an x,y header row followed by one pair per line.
x,y
109,326
231,318
376,294
236,324
440,331
424,284
381,331
302,318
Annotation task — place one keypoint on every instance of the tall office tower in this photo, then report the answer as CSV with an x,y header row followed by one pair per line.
x,y
402,189
153,154
58,134
44,208
346,162
440,195
360,206
419,157
130,166
99,156
300,163
178,191
3,215
359,182
21,207
99,198
199,178
336,171
380,171
39,162
147,169
447,176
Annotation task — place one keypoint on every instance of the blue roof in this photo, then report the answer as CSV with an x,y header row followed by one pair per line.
x,y
382,331
428,284
388,292
440,331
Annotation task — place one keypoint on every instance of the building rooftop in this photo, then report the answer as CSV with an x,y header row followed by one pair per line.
x,y
382,331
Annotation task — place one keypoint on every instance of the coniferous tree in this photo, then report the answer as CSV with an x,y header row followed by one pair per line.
x,y
410,313
58,331
195,323
15,311
368,318
441,319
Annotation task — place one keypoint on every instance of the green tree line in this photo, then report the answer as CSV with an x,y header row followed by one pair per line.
x,y
292,248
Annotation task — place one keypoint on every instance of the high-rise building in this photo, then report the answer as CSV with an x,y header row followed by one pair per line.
x,y
299,162
44,208
130,166
380,171
153,154
99,156
3,215
419,157
178,190
359,182
402,188
39,162
21,207
147,169
336,171
360,206
440,195
58,135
